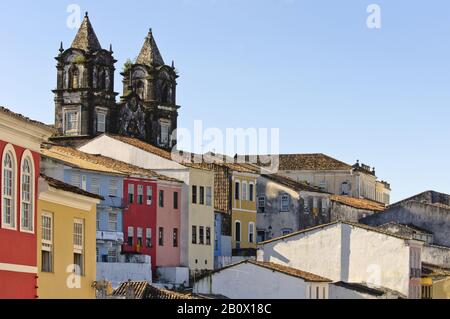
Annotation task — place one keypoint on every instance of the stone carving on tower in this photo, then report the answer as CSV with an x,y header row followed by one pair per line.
x,y
150,93
85,101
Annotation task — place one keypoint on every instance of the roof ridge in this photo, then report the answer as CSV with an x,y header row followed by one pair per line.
x,y
363,226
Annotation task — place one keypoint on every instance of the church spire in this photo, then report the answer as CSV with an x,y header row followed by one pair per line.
x,y
149,54
86,39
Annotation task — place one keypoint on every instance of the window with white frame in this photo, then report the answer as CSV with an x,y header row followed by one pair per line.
x,y
112,189
284,203
251,232
8,192
261,204
208,196
149,195
237,191
95,185
165,128
78,246
47,242
27,195
140,194
244,191
112,222
101,122
237,231
130,193
130,236
251,192
71,122
148,237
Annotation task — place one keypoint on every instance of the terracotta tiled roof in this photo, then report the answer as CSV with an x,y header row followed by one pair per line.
x,y
307,276
150,54
68,188
86,38
313,162
20,117
275,267
293,184
359,203
75,158
362,226
137,288
370,290
144,290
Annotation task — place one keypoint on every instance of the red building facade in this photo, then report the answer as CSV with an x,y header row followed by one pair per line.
x,y
20,140
139,217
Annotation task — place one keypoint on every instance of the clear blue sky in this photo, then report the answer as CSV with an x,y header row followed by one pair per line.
x,y
311,68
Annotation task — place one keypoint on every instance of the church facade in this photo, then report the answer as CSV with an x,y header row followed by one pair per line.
x,y
85,101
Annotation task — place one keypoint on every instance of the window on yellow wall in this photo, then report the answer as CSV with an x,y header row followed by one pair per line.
x,y
238,231
251,233
244,191
251,192
237,190
47,242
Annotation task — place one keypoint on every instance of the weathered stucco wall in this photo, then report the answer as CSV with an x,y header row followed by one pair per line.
x,y
343,252
436,255
255,282
118,273
430,217
347,213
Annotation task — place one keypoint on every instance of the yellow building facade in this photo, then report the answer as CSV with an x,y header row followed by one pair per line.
x,y
66,241
243,213
201,219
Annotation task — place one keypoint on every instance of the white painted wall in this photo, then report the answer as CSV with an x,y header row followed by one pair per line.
x,y
118,273
255,282
174,275
337,292
342,252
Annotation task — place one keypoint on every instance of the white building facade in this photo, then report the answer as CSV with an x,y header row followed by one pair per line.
x,y
353,253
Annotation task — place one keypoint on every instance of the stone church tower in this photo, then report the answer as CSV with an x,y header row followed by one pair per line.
x,y
85,101
148,109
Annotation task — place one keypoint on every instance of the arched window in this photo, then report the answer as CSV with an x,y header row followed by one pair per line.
x,y
74,75
251,232
8,188
237,231
27,193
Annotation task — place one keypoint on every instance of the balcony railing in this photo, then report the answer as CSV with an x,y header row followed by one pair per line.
x,y
131,249
110,235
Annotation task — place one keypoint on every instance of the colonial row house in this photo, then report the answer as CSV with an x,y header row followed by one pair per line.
x,y
66,241
235,209
196,199
334,176
139,216
20,140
